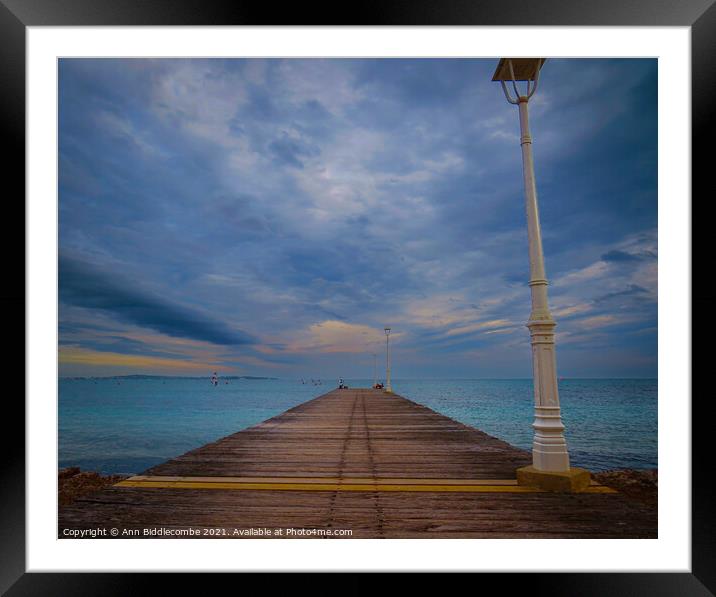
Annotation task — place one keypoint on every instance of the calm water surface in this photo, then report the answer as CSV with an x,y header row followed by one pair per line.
x,y
125,425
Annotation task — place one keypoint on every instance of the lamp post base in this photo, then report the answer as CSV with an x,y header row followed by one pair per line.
x,y
573,480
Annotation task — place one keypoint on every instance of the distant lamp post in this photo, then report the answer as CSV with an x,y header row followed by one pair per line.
x,y
375,370
388,387
550,459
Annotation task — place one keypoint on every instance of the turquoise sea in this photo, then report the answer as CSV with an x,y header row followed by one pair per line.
x,y
126,425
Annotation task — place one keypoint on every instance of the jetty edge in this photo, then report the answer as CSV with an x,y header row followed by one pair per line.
x,y
354,463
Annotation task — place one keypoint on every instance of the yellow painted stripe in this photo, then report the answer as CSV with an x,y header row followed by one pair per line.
x,y
327,480
343,480
325,486
343,487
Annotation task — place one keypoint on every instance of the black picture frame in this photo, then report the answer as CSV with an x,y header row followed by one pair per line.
x,y
17,15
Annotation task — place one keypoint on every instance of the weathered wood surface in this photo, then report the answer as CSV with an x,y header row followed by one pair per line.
x,y
367,434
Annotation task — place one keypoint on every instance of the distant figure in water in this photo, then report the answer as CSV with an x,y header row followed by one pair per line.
x,y
214,379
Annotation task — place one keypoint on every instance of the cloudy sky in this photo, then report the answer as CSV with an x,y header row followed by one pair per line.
x,y
270,217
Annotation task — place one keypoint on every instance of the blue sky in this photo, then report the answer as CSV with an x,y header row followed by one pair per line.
x,y
270,217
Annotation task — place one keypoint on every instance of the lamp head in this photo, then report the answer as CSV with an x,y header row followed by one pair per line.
x,y
525,69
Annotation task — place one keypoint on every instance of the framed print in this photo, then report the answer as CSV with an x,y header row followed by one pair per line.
x,y
278,276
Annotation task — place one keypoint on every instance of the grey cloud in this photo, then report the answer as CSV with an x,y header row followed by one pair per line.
x,y
617,256
83,285
288,151
632,290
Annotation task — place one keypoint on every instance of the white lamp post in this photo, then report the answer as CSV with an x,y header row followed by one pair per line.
x,y
550,459
388,387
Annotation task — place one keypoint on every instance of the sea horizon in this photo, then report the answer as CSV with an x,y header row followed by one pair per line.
x,y
260,377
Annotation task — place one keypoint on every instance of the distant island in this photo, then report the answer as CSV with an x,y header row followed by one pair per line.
x,y
168,377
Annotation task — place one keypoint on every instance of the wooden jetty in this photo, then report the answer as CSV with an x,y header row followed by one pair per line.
x,y
360,460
